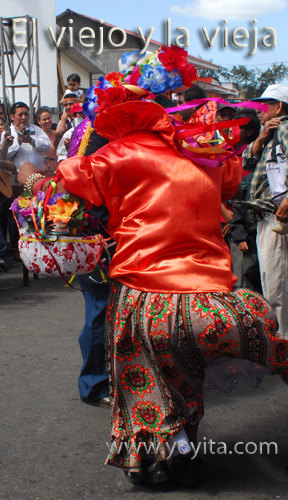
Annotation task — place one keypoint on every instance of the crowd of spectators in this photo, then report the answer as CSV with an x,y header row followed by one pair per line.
x,y
41,142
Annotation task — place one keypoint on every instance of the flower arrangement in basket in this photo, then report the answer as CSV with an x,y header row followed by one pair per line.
x,y
54,237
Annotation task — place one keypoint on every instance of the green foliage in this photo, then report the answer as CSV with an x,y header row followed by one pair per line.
x,y
250,82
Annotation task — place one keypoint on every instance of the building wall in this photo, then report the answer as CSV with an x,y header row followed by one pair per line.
x,y
44,11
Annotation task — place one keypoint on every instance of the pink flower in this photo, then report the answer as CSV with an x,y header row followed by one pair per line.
x,y
133,78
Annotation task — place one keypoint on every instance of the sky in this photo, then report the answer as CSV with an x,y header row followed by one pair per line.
x,y
258,19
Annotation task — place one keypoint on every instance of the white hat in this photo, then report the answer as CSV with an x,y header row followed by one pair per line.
x,y
69,93
275,91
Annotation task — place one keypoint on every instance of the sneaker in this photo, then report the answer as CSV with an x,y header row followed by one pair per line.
x,y
153,472
103,402
98,402
134,477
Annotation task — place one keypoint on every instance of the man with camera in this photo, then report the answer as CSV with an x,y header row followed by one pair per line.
x,y
29,140
29,144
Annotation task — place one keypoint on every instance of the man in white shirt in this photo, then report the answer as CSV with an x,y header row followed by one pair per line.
x,y
30,142
29,145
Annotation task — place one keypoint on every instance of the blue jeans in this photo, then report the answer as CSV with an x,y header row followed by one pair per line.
x,y
3,245
93,379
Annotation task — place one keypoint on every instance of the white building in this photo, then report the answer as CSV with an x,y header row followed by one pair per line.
x,y
60,51
44,12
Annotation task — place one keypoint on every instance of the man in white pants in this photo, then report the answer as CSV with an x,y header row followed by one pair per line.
x,y
272,203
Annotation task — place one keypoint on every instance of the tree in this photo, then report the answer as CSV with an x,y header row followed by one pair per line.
x,y
251,83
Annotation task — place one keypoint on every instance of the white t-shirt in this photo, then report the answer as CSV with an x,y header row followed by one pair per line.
x,y
62,152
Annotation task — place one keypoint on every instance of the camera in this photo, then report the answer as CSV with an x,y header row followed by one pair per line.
x,y
27,131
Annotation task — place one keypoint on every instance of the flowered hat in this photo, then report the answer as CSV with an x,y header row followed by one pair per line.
x,y
151,76
141,75
166,70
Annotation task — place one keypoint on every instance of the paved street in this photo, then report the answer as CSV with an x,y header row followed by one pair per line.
x,y
53,447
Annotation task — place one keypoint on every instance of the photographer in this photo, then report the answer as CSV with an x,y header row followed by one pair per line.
x,y
29,140
29,143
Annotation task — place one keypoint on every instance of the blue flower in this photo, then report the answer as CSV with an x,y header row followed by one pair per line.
x,y
130,59
54,198
153,79
90,93
103,83
89,108
174,79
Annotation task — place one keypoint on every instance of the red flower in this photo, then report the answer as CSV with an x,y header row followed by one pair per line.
x,y
115,78
114,96
189,74
173,57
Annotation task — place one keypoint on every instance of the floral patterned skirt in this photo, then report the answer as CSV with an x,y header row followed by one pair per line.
x,y
159,345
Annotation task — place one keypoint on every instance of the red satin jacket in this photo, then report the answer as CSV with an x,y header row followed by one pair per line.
x,y
164,210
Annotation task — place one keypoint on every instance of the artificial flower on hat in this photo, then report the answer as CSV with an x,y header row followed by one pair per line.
x,y
189,74
90,106
166,70
141,76
173,57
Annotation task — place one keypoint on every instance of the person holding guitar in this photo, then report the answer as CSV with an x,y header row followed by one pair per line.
x,y
6,168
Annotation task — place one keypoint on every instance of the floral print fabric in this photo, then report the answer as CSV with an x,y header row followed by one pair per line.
x,y
159,345
67,256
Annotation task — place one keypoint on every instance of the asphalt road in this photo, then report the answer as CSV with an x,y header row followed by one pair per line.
x,y
53,446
